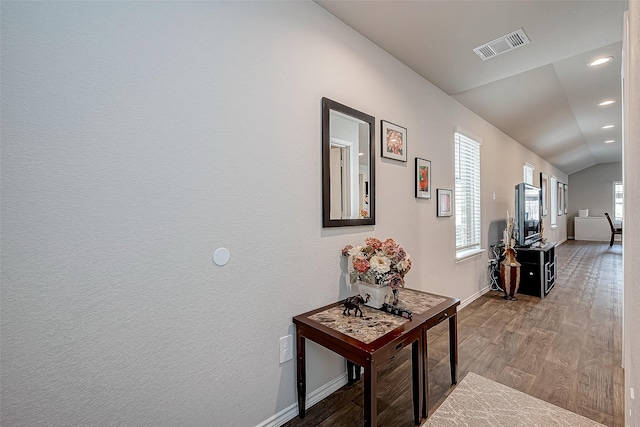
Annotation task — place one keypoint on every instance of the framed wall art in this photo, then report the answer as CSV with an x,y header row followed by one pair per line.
x,y
544,187
423,178
394,141
566,199
445,202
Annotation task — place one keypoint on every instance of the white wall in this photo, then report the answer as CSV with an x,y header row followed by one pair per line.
x,y
631,229
138,137
592,189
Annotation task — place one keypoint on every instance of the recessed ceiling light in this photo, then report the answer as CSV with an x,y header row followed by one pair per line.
x,y
608,126
607,102
609,141
600,61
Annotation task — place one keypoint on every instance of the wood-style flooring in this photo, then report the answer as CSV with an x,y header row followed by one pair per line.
x,y
565,349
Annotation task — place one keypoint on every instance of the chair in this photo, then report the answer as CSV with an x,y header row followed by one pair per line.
x,y
614,230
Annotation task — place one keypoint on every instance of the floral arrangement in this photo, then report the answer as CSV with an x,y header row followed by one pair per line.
x,y
508,237
383,263
509,240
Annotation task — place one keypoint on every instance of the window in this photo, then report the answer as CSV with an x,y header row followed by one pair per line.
x,y
527,172
554,202
467,198
618,196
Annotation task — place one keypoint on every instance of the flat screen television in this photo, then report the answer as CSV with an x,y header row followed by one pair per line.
x,y
527,214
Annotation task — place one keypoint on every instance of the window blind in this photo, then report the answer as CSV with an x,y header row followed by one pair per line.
x,y
528,173
618,200
467,195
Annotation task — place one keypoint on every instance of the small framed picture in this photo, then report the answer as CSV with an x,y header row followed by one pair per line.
x,y
566,198
423,178
394,141
445,202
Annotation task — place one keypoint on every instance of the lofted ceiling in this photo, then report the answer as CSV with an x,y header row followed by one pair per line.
x,y
542,94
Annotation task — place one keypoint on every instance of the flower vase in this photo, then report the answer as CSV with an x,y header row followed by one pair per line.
x,y
510,274
378,295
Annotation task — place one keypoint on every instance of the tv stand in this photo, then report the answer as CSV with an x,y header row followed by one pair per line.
x,y
538,269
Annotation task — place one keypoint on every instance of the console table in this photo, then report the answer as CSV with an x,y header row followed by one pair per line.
x,y
376,338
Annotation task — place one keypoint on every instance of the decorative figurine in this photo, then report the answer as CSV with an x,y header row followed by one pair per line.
x,y
398,311
354,303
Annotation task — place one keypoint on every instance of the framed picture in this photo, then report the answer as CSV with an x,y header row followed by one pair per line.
x,y
445,202
566,198
423,178
394,141
560,198
544,187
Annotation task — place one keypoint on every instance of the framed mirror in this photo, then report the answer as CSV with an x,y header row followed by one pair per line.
x,y
348,166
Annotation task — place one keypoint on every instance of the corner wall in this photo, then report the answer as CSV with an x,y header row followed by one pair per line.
x,y
138,137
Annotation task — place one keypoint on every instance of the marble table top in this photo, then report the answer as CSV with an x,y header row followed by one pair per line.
x,y
375,323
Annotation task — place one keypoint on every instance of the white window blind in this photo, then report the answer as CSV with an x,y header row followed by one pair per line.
x,y
528,173
618,198
467,197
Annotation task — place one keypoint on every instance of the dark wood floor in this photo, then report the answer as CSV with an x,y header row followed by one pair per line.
x,y
564,349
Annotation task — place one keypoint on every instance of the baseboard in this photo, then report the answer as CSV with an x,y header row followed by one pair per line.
x,y
473,297
291,411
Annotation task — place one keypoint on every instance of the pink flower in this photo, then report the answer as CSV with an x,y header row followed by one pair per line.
x,y
346,249
361,264
373,242
390,247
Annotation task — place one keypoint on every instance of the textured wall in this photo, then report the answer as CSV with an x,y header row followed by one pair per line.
x,y
138,137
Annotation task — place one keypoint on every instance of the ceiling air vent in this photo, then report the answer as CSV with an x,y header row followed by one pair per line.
x,y
502,44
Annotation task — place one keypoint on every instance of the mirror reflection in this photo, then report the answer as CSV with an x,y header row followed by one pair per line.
x,y
348,174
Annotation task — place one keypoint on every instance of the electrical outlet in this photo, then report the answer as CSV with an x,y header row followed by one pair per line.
x,y
286,348
631,393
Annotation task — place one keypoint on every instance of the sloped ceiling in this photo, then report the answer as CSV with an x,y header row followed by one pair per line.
x,y
543,95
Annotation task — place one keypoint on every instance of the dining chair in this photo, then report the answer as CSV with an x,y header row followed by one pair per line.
x,y
614,230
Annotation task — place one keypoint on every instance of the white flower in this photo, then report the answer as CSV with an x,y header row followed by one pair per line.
x,y
380,264
355,250
404,264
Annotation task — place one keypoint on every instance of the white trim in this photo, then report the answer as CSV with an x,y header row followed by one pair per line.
x,y
473,297
469,253
291,411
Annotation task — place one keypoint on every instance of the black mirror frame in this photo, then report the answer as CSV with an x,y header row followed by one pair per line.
x,y
327,106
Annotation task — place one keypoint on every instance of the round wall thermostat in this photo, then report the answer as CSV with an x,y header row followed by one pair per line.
x,y
221,256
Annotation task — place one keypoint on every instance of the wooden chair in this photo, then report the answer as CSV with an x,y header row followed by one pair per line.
x,y
614,230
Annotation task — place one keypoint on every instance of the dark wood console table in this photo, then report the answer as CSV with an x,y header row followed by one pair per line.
x,y
376,338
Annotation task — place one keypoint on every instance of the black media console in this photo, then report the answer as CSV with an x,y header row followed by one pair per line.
x,y
538,269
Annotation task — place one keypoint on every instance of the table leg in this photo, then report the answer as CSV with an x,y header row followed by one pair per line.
x,y
302,380
370,388
453,347
425,374
417,377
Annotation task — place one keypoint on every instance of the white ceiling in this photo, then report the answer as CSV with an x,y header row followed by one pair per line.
x,y
542,94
